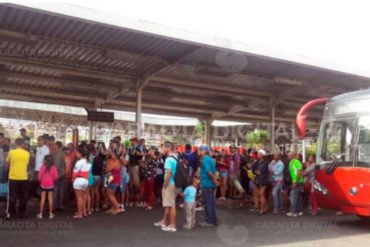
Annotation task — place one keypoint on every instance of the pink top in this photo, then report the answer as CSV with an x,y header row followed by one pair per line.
x,y
48,178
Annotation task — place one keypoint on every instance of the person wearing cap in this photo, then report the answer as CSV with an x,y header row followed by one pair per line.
x,y
261,179
208,183
169,191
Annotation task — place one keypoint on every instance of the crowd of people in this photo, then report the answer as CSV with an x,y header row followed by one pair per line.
x,y
93,177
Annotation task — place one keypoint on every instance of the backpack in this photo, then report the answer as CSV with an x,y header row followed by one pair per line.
x,y
182,176
286,173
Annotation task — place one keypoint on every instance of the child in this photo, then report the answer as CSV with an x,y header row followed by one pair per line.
x,y
189,195
47,176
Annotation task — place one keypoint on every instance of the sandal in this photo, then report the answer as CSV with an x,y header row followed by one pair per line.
x,y
109,211
119,211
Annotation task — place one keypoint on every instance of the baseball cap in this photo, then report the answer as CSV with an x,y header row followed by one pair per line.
x,y
204,147
262,152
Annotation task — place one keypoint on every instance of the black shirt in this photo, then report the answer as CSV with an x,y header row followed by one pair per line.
x,y
98,164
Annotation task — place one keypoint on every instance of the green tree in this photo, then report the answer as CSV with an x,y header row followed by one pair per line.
x,y
257,139
200,128
311,149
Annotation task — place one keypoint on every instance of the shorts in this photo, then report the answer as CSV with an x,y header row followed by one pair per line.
x,y
134,176
224,174
112,186
124,183
46,189
97,180
80,183
259,185
169,196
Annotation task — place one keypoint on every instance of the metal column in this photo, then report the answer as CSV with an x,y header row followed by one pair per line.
x,y
207,131
91,130
139,127
272,132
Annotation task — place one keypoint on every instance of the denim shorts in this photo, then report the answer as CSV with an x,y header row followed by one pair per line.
x,y
224,174
97,180
124,183
112,186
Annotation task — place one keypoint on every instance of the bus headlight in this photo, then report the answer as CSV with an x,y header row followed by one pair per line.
x,y
321,188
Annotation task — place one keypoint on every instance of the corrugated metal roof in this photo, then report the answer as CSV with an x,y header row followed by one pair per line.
x,y
55,58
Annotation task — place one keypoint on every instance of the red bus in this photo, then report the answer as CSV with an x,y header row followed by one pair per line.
x,y
343,153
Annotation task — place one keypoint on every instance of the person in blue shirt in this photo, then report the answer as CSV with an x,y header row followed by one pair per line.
x,y
190,157
189,195
169,191
276,168
208,182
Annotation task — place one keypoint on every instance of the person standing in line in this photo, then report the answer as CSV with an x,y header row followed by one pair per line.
x,y
4,150
169,191
296,200
190,156
48,175
149,178
60,184
208,183
92,152
17,161
261,179
309,173
97,170
276,169
80,179
51,145
113,182
42,151
234,172
189,195
223,166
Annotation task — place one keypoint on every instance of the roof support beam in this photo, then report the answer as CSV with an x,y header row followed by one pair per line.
x,y
209,86
178,60
112,95
66,70
67,94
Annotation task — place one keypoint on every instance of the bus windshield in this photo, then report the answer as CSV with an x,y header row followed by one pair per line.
x,y
364,141
337,141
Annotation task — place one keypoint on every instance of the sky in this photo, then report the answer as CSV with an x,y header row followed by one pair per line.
x,y
328,34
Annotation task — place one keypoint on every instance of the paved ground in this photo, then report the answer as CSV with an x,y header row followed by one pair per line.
x,y
238,227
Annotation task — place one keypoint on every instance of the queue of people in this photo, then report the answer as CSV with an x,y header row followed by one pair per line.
x,y
93,177
277,181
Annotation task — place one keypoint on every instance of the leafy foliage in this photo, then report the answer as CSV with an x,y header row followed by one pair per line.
x,y
257,139
200,128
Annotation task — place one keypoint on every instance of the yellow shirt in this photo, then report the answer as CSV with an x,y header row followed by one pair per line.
x,y
18,160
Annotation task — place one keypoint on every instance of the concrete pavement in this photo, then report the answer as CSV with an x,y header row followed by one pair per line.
x,y
238,227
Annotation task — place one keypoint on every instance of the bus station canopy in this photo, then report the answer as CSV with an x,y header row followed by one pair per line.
x,y
53,58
